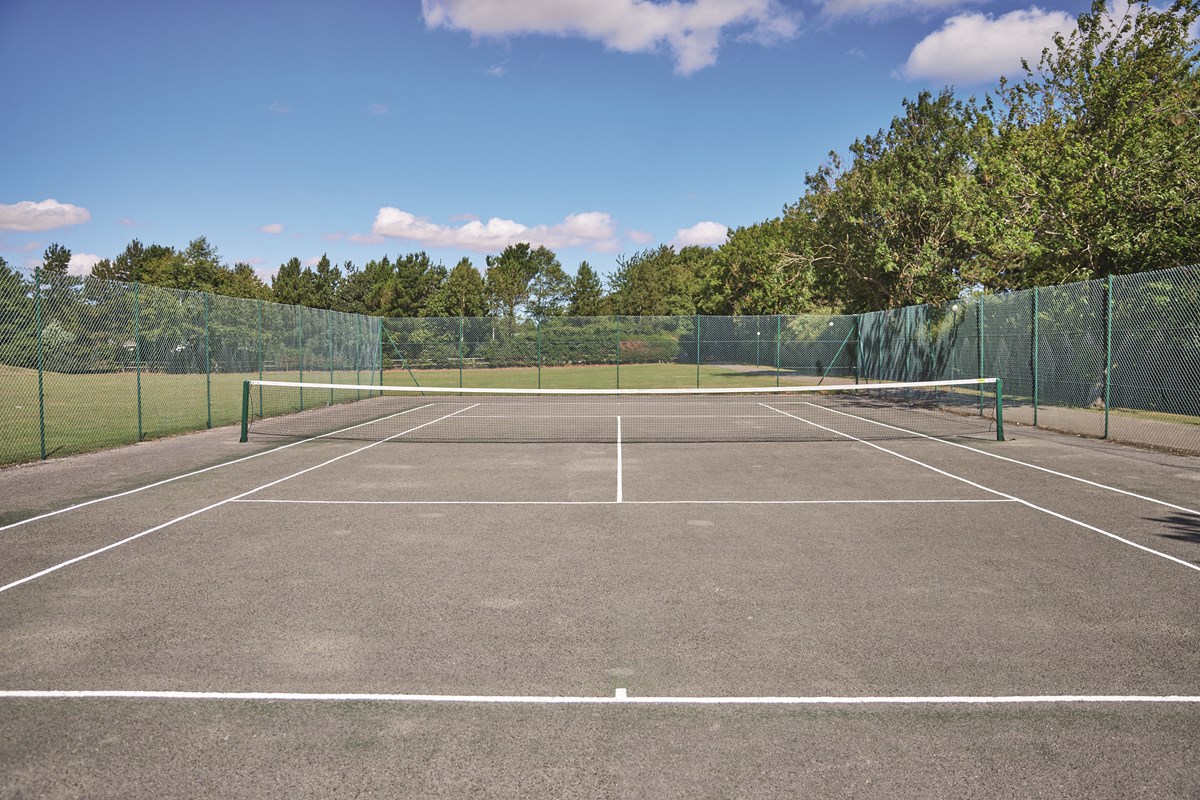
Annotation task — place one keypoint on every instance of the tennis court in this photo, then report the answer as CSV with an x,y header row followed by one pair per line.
x,y
413,611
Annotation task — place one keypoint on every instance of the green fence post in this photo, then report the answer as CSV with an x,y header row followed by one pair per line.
x,y
1108,365
207,363
460,352
1034,348
778,344
618,319
697,351
858,347
300,344
358,352
37,305
258,309
537,323
137,354
329,325
979,342
246,411
379,327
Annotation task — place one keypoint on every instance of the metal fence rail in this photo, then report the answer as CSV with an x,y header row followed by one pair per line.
x,y
87,363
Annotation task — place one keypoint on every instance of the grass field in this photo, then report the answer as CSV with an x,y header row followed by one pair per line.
x,y
593,376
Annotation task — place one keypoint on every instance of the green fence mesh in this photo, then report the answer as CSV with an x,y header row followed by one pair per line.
x,y
86,363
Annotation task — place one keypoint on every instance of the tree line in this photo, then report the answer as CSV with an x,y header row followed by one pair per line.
x,y
1087,165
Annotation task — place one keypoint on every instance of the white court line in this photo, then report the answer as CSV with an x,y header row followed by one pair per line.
x,y
1026,503
210,507
948,501
200,471
1056,473
619,697
620,482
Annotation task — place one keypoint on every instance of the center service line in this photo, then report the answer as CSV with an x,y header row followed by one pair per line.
x,y
620,490
218,504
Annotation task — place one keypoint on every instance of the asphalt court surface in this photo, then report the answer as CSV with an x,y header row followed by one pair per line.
x,y
684,571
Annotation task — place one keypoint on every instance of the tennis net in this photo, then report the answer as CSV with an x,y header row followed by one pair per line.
x,y
953,408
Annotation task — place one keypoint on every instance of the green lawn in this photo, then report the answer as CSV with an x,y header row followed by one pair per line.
x,y
599,376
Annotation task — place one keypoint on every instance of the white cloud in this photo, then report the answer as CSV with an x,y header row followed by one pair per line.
x,y
690,30
702,233
978,47
888,8
81,263
29,216
594,229
274,228
640,237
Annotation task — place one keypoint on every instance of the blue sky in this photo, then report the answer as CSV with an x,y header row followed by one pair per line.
x,y
363,128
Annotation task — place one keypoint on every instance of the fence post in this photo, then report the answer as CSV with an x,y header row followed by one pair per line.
x,y
537,323
618,318
258,309
778,344
380,329
207,363
1108,365
460,352
300,344
37,305
329,326
979,342
1034,348
858,347
137,353
697,351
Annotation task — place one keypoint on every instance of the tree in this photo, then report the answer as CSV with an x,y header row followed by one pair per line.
x,y
410,286
762,269
897,226
587,295
461,294
508,278
243,281
18,336
550,287
657,282
287,286
1094,168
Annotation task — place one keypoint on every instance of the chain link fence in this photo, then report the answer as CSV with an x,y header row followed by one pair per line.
x,y
86,363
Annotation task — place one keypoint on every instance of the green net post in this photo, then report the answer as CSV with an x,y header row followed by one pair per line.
x,y
37,306
207,363
1108,365
1034,354
460,352
137,355
999,409
697,351
246,411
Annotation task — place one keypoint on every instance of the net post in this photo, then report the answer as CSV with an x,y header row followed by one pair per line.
x,y
1034,354
137,354
207,363
246,410
37,304
1108,365
999,409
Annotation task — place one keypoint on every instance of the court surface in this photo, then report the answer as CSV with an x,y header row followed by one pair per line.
x,y
901,617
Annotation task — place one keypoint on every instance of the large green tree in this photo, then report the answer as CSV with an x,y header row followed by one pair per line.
x,y
1095,164
510,280
658,281
586,297
461,294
